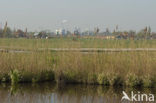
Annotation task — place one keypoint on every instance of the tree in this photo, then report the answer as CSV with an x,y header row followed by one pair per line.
x,y
149,30
8,33
1,33
107,30
5,29
96,30
20,33
132,34
144,33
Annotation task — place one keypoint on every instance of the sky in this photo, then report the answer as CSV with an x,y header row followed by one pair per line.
x,y
36,15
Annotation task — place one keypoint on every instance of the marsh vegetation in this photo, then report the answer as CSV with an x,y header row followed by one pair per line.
x,y
104,68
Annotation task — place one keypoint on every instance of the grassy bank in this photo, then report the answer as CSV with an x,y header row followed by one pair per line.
x,y
111,68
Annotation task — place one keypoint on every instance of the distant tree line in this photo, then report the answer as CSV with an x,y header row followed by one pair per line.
x,y
145,33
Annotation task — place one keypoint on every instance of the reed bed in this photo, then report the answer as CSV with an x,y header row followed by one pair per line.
x,y
104,68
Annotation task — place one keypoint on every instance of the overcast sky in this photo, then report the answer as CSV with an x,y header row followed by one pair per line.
x,y
86,14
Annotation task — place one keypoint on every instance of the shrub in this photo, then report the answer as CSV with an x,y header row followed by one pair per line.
x,y
60,77
14,76
147,81
103,79
153,81
47,75
117,81
92,79
26,76
134,81
4,78
70,77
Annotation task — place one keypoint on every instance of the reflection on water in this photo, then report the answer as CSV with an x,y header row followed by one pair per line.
x,y
52,93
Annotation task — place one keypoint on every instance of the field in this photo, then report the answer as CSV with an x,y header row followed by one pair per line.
x,y
78,43
105,68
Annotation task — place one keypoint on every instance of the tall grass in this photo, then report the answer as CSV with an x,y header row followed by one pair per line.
x,y
111,68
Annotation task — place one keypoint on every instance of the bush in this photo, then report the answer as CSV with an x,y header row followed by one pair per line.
x,y
92,79
153,81
14,76
118,81
4,78
147,81
71,77
47,75
26,76
60,77
103,79
134,81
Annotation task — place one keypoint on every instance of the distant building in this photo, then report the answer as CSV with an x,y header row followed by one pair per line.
x,y
88,33
36,34
57,32
51,34
106,35
20,33
61,32
41,34
153,36
77,31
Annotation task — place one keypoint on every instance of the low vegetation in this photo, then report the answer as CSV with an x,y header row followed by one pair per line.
x,y
21,43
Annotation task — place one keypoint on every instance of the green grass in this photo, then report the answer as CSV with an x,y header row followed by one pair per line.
x,y
20,43
107,68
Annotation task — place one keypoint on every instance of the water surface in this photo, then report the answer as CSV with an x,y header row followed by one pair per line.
x,y
52,93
